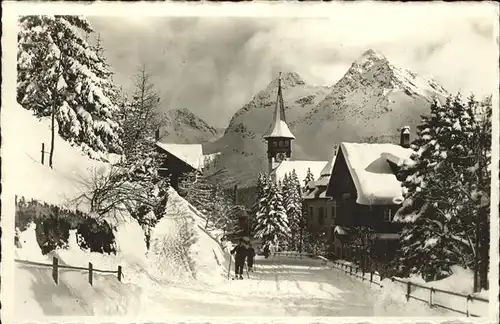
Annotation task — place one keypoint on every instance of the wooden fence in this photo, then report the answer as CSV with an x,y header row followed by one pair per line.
x,y
375,278
56,266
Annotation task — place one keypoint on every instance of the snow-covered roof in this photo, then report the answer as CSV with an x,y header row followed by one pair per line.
x,y
300,168
279,127
375,181
324,176
317,189
191,154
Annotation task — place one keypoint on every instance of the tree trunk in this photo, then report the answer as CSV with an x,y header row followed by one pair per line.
x,y
52,135
484,250
476,256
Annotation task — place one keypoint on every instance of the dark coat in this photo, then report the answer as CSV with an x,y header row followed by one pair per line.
x,y
250,253
240,252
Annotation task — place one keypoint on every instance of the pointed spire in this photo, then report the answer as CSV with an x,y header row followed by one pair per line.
x,y
279,127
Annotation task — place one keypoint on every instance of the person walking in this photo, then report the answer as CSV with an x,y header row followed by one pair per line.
x,y
250,257
240,254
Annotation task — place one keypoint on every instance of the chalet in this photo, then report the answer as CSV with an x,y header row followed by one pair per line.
x,y
180,159
363,183
321,210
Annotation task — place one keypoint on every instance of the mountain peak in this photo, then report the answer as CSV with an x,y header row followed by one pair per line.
x,y
371,54
370,59
374,68
288,79
182,111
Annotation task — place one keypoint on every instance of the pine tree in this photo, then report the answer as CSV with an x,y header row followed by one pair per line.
x,y
260,195
61,75
140,121
293,206
441,213
140,117
272,223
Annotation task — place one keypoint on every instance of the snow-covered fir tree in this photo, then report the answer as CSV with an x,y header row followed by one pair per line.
x,y
141,157
60,73
438,205
272,223
258,208
293,205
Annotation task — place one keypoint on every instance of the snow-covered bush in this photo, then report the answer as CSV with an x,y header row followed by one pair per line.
x,y
96,235
53,224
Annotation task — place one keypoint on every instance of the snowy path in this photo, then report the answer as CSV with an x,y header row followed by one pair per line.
x,y
280,286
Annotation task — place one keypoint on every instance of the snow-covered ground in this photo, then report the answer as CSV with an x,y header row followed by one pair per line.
x,y
280,286
461,282
391,298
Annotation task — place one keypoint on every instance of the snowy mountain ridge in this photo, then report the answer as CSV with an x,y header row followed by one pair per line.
x,y
376,65
183,127
369,103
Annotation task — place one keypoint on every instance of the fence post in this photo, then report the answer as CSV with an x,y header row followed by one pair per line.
x,y
467,305
55,270
371,276
43,152
408,290
120,273
430,297
350,269
91,269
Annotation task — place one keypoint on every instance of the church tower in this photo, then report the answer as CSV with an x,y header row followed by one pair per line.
x,y
279,137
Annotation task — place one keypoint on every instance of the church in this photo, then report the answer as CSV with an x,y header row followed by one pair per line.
x,y
279,147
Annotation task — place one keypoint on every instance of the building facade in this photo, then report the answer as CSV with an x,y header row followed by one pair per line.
x,y
321,211
367,192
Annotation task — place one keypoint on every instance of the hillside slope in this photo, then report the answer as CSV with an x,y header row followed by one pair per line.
x,y
33,287
183,127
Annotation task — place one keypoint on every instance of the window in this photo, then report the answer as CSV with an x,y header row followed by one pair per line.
x,y
334,211
387,215
321,216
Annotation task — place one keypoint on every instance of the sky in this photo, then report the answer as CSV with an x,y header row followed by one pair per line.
x,y
214,65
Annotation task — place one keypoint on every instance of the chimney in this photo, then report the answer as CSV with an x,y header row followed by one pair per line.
x,y
157,135
405,137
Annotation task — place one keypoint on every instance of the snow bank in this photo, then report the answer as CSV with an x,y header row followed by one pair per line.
x,y
182,249
391,301
29,248
393,295
22,157
37,291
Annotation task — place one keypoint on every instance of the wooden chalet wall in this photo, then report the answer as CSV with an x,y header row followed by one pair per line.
x,y
175,169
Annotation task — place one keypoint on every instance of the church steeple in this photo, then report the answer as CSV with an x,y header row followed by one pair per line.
x,y
279,137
